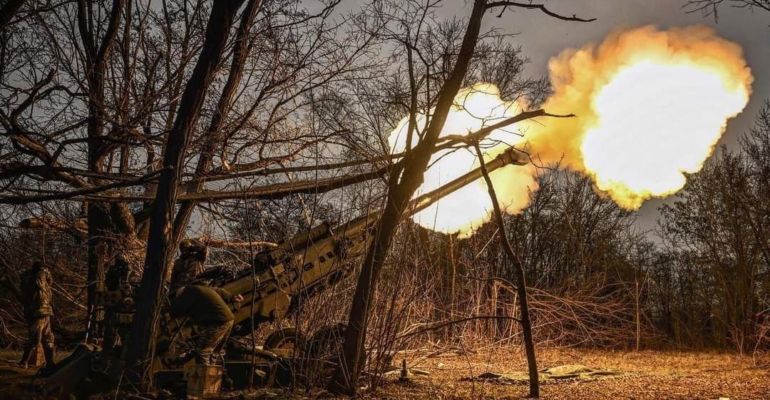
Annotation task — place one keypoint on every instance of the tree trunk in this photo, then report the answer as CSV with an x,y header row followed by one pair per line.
x,y
160,248
401,188
8,10
99,224
521,282
240,54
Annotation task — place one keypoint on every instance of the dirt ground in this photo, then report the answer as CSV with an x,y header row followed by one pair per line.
x,y
453,374
648,375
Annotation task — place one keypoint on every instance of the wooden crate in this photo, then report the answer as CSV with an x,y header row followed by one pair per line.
x,y
204,380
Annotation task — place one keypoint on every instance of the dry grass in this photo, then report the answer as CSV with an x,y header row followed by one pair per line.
x,y
651,375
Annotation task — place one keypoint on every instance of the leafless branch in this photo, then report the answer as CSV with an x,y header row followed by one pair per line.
x,y
540,7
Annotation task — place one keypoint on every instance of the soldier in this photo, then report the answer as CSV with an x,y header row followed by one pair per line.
x,y
118,278
118,274
189,264
208,308
36,292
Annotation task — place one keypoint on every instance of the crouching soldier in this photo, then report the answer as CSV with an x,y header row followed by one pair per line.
x,y
36,292
210,313
189,264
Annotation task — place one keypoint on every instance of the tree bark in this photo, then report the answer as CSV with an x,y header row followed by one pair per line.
x,y
401,189
521,281
160,247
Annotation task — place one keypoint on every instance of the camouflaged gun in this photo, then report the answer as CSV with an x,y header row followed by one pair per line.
x,y
298,268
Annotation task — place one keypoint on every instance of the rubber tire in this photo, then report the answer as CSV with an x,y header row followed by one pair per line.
x,y
322,354
280,337
319,342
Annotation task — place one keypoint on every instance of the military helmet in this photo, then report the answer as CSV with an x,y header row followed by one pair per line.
x,y
121,261
184,245
190,245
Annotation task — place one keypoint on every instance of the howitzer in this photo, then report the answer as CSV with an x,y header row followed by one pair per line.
x,y
297,268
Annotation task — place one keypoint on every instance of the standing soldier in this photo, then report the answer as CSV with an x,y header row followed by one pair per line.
x,y
118,279
36,292
189,264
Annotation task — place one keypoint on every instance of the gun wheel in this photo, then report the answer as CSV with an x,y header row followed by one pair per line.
x,y
285,342
323,354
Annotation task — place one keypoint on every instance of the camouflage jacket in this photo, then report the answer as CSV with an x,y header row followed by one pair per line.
x,y
36,289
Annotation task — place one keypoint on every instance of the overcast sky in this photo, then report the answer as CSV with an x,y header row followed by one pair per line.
x,y
542,37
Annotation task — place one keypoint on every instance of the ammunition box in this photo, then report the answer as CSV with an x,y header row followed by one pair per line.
x,y
204,380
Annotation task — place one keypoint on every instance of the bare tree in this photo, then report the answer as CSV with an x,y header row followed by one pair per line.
x,y
720,224
521,281
160,244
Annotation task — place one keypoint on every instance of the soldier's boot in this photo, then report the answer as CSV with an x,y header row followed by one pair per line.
x,y
50,355
24,363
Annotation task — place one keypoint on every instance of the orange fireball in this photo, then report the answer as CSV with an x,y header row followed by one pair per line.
x,y
650,106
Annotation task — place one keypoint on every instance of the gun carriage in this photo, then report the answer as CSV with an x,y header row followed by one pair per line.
x,y
295,269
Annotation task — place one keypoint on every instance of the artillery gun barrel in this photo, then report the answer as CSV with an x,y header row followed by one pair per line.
x,y
317,258
508,157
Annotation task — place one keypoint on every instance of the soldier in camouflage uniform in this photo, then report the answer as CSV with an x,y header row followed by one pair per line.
x,y
211,315
118,278
189,264
36,292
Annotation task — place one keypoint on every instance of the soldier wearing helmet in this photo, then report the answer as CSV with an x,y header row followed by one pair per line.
x,y
118,279
36,289
189,264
